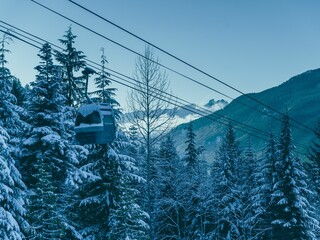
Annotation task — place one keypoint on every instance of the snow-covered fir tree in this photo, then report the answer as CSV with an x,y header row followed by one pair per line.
x,y
135,147
247,216
265,178
313,168
195,171
168,211
51,188
314,157
104,92
12,189
225,174
72,62
46,154
127,219
293,215
102,82
18,91
9,112
12,194
191,150
107,205
108,208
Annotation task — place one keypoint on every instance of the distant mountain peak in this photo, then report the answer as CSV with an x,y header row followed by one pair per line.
x,y
222,103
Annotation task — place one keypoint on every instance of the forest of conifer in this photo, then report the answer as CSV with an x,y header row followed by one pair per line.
x,y
139,187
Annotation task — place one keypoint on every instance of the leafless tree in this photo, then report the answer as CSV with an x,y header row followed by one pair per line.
x,y
149,105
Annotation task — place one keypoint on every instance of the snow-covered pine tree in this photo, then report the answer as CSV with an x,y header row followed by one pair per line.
x,y
314,157
12,193
12,189
191,151
313,168
292,213
265,178
18,91
247,215
104,92
212,201
127,219
46,155
205,220
135,149
168,211
9,111
225,174
108,208
195,170
72,62
102,82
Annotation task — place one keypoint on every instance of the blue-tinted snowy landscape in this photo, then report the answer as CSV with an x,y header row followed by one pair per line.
x,y
145,149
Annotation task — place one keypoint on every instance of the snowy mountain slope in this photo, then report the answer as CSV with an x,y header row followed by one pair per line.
x,y
299,96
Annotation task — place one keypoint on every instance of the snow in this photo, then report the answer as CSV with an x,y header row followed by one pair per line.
x,y
85,125
11,226
90,200
30,141
51,138
88,109
4,137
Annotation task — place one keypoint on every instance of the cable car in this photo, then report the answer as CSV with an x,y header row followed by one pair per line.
x,y
95,124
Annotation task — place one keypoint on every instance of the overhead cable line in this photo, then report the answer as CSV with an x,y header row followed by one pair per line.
x,y
136,87
209,117
25,41
184,62
205,111
182,101
128,49
181,74
186,108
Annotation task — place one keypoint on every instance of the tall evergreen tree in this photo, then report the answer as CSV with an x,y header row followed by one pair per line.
x,y
313,168
135,149
104,92
168,210
12,188
46,153
9,110
292,212
108,205
72,62
18,91
314,157
191,151
226,175
265,178
127,219
12,193
195,171
247,215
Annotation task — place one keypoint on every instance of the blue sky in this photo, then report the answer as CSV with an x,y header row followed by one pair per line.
x,y
251,45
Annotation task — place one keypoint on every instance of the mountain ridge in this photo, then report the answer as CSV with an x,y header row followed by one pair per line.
x,y
299,97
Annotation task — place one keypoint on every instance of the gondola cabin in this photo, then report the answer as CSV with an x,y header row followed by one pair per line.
x,y
95,124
